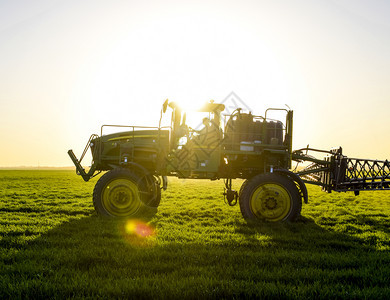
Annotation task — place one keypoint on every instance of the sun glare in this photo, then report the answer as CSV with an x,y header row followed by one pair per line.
x,y
139,228
190,65
137,233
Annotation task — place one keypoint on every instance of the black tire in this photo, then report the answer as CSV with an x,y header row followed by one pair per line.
x,y
270,197
242,187
155,194
123,193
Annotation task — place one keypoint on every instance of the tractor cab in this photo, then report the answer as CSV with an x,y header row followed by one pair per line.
x,y
210,132
195,152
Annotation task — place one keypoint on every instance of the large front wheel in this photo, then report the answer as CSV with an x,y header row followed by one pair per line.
x,y
270,197
123,193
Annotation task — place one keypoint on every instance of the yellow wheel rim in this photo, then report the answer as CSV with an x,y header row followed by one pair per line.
x,y
270,201
120,197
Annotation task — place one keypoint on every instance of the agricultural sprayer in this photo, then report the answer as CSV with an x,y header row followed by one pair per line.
x,y
258,149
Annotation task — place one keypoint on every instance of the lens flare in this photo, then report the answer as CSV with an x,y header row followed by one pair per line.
x,y
139,228
138,233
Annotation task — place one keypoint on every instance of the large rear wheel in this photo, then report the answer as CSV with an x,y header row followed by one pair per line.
x,y
242,187
270,197
123,193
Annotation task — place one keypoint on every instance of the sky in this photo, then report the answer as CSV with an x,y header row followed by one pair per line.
x,y
68,67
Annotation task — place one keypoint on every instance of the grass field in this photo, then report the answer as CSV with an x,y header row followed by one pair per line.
x,y
54,246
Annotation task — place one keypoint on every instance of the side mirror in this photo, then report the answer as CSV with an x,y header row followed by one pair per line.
x,y
165,106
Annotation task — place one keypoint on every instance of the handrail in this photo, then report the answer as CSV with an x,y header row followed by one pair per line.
x,y
93,136
271,108
127,126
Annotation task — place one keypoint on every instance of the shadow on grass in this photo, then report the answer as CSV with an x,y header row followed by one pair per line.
x,y
378,222
96,257
305,234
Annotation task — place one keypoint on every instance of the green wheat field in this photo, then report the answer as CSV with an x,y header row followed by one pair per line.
x,y
53,245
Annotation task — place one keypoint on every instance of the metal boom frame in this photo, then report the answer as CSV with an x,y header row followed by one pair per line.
x,y
339,173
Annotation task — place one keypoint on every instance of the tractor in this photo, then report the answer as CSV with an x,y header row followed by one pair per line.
x,y
240,145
